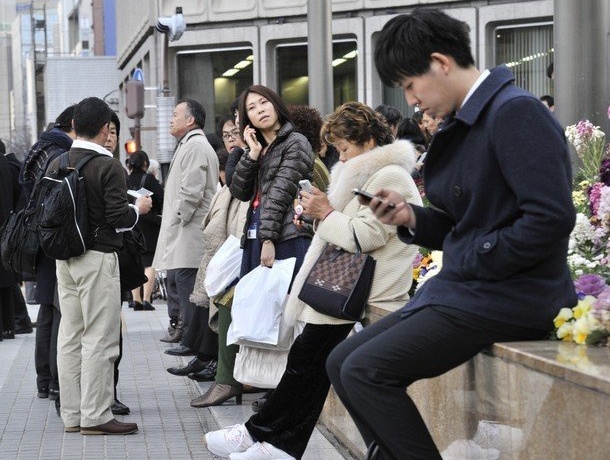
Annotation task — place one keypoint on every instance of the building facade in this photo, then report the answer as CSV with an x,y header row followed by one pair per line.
x,y
228,46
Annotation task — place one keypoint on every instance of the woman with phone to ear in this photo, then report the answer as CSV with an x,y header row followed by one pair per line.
x,y
369,160
267,175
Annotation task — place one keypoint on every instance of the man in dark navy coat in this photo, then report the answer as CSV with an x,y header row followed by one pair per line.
x,y
499,177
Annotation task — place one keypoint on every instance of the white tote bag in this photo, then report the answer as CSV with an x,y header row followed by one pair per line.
x,y
259,368
224,267
259,302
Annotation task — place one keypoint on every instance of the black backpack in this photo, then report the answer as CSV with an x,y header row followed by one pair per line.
x,y
62,216
19,241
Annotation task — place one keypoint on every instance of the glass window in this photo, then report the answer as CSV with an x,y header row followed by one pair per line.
x,y
215,78
292,73
528,51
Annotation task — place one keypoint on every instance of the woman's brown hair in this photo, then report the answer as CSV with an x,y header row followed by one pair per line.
x,y
357,123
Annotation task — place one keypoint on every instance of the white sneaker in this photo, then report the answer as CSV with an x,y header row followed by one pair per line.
x,y
262,451
232,439
466,449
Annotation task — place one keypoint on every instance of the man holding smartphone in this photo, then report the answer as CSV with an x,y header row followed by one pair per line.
x,y
499,178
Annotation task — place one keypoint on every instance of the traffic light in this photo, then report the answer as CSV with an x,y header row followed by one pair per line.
x,y
131,146
134,98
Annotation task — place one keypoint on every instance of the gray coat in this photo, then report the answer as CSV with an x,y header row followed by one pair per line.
x,y
189,189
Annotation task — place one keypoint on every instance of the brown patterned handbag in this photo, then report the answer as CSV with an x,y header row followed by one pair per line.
x,y
339,283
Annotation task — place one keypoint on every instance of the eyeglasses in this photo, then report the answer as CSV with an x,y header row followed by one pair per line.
x,y
232,135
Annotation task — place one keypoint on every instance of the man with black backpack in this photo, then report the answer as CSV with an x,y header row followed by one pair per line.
x,y
89,284
50,145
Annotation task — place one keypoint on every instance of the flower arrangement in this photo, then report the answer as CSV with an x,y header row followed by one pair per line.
x,y
425,266
589,248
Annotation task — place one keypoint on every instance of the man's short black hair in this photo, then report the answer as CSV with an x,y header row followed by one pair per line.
x,y
550,100
64,119
115,119
2,148
391,114
90,116
406,43
196,110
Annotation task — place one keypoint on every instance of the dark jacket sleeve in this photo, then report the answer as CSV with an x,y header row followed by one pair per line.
x,y
432,228
232,161
243,185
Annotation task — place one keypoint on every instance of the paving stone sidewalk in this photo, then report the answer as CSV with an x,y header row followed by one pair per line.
x,y
159,402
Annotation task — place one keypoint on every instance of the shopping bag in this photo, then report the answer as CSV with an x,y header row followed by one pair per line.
x,y
224,267
259,368
258,303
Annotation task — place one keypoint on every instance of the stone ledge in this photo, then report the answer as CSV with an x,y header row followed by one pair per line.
x,y
577,364
548,399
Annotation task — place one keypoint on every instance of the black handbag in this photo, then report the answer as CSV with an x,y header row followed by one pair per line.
x,y
131,264
339,283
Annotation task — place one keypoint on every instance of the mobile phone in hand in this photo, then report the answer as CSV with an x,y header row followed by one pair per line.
x,y
366,197
305,185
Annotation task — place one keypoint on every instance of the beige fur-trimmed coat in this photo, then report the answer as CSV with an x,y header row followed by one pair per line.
x,y
383,167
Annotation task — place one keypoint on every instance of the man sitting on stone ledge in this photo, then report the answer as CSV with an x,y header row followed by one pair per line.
x,y
499,177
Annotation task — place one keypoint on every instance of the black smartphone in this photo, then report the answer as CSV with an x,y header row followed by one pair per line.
x,y
367,197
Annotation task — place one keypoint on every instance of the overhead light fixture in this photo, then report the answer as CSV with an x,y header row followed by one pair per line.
x,y
351,54
243,64
230,72
338,61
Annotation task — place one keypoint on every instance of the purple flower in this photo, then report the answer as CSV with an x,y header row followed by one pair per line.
x,y
603,300
590,284
604,171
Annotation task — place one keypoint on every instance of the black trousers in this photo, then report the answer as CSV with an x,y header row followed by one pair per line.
x,y
7,309
173,301
22,317
371,370
289,417
180,284
45,351
200,337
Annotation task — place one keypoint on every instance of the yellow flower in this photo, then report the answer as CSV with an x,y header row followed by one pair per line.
x,y
565,314
584,306
583,327
416,273
564,332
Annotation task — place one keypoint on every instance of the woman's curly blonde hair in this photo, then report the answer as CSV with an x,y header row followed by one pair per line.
x,y
357,123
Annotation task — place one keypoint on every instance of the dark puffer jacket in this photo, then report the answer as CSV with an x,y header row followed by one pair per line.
x,y
288,160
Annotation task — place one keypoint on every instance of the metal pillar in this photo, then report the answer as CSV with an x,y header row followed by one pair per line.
x,y
320,55
581,62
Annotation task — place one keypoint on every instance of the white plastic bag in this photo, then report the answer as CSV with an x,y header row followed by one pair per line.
x,y
224,267
259,368
258,303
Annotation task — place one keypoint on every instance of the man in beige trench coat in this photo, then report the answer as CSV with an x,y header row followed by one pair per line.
x,y
191,183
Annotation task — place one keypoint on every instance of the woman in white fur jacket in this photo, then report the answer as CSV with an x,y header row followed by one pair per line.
x,y
369,160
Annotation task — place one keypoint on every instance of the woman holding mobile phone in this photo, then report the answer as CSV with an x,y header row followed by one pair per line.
x,y
369,159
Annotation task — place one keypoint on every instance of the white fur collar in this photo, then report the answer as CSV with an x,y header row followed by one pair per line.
x,y
356,172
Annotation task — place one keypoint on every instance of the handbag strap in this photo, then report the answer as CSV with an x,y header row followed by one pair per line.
x,y
143,180
358,247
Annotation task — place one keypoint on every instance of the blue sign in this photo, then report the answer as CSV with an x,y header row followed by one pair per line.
x,y
138,75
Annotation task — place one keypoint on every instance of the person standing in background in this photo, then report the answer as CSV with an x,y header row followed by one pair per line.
x,y
190,185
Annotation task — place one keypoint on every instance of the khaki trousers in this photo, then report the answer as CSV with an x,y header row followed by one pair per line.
x,y
88,340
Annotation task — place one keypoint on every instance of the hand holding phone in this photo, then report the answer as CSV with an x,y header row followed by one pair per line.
x,y
366,197
305,185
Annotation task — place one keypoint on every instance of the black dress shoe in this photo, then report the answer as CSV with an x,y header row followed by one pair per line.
x,y
24,329
206,375
147,306
118,408
194,365
180,350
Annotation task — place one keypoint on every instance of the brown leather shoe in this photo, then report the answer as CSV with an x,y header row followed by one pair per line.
x,y
72,429
217,394
111,427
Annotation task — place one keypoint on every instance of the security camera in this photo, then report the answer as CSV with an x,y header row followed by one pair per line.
x,y
174,26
